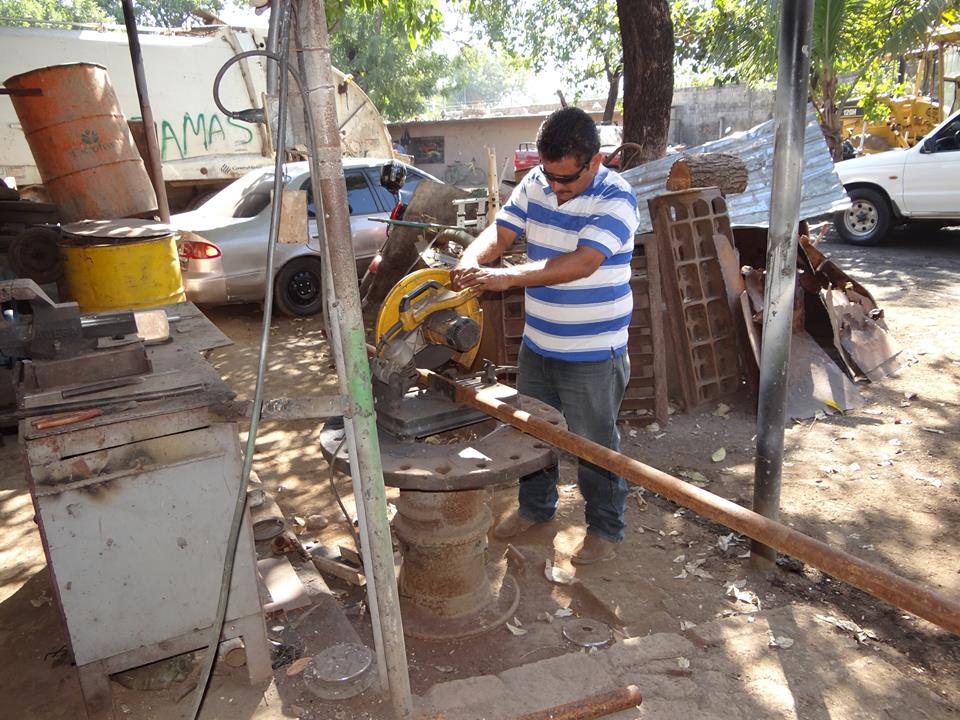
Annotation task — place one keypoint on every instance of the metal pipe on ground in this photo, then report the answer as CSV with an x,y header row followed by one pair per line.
x,y
878,581
146,112
595,706
796,22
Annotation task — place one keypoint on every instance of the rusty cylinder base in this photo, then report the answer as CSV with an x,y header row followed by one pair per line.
x,y
446,590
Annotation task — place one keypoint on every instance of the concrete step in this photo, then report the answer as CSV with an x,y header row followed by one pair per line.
x,y
725,670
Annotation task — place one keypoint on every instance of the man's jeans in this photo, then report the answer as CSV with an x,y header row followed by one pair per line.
x,y
589,395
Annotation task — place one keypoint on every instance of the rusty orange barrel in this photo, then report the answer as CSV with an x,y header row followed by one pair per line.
x,y
81,143
120,265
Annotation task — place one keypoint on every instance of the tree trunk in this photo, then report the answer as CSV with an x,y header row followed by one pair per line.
x,y
613,92
832,120
721,170
646,31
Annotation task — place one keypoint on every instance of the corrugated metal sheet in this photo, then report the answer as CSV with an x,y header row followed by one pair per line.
x,y
822,191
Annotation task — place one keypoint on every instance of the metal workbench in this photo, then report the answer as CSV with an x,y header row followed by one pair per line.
x,y
134,508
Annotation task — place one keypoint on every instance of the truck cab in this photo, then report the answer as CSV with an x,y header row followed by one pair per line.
x,y
900,186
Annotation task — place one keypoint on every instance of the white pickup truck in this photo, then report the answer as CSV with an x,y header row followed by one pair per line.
x,y
900,186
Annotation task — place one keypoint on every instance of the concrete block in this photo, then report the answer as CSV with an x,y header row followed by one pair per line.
x,y
559,680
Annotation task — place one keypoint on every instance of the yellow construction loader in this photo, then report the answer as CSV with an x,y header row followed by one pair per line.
x,y
935,70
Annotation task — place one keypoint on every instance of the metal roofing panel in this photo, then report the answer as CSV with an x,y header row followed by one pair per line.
x,y
822,192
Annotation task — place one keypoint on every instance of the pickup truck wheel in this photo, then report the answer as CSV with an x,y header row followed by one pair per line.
x,y
298,287
868,219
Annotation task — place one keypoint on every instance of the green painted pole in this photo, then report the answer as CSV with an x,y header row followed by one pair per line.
x,y
353,366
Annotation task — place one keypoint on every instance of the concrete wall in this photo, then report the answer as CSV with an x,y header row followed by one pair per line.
x,y
702,114
698,115
463,159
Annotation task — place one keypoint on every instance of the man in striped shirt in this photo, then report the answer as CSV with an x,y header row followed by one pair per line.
x,y
579,219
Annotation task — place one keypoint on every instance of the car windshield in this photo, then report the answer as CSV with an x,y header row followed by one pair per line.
x,y
245,198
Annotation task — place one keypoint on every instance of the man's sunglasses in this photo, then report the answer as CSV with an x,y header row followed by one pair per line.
x,y
564,179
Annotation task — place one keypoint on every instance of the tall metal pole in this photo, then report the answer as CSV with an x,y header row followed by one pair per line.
x,y
329,184
793,79
146,112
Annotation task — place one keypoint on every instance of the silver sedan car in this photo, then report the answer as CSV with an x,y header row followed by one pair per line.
x,y
223,243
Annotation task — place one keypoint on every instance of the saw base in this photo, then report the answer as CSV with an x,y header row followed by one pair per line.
x,y
422,413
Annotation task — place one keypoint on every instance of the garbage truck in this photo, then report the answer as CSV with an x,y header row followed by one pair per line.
x,y
201,149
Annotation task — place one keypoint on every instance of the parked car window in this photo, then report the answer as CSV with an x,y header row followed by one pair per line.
x,y
387,198
948,139
245,198
360,196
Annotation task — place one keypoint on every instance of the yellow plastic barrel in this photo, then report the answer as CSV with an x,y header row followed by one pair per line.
x,y
81,143
120,265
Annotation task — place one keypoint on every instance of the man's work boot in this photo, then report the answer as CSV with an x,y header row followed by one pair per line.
x,y
593,550
512,525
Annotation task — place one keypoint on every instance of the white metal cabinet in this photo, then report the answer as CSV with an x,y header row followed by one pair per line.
x,y
135,537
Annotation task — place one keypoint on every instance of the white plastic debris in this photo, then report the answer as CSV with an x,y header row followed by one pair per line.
x,y
737,591
514,630
557,575
850,626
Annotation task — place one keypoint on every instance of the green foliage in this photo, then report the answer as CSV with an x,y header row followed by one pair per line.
x,y
377,52
418,21
476,76
739,37
850,41
80,11
581,38
160,13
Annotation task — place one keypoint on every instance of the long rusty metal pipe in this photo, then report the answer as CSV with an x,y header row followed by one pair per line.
x,y
595,706
877,581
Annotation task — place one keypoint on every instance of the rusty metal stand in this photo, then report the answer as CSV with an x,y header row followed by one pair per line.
x,y
447,589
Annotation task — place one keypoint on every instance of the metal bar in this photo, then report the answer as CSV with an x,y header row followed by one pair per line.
x,y
413,224
354,113
941,81
303,408
146,112
796,23
333,333
273,29
878,581
331,307
329,185
595,706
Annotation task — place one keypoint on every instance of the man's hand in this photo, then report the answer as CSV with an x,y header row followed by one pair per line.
x,y
492,279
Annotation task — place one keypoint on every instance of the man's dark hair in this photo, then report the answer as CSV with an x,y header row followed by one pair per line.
x,y
568,132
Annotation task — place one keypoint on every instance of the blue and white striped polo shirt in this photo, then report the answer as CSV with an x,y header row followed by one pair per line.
x,y
583,320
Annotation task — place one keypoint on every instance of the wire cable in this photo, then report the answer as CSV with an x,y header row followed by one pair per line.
x,y
240,505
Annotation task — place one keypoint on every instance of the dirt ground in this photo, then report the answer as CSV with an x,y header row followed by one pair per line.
x,y
881,483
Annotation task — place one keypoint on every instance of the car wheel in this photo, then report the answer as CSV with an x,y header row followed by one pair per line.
x,y
298,288
868,219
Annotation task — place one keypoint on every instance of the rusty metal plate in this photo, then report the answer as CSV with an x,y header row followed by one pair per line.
x,y
481,455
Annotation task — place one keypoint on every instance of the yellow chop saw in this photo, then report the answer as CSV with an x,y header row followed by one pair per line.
x,y
423,323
